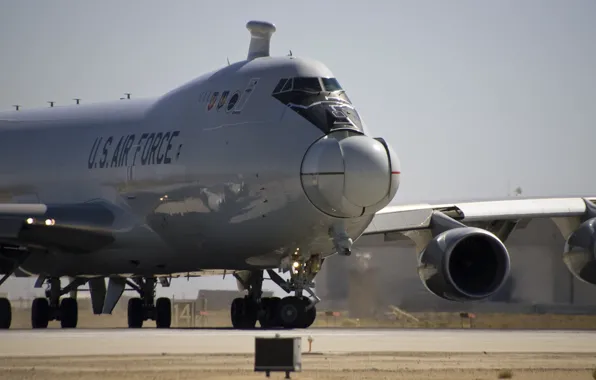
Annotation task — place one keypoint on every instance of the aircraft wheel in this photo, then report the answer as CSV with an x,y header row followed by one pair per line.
x,y
291,312
163,313
309,314
236,312
268,318
136,313
40,313
69,313
5,313
243,313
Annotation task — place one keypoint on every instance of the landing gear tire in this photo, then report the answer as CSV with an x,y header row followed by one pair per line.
x,y
69,313
291,312
243,313
269,316
163,313
136,313
40,313
5,314
309,314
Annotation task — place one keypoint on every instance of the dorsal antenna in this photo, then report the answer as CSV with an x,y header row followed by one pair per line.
x,y
228,61
290,54
260,38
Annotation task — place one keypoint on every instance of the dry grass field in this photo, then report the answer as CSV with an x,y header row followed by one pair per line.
x,y
411,366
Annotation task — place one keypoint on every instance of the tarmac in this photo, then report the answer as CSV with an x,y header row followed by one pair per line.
x,y
148,341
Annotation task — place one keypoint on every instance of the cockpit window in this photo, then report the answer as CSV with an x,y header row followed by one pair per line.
x,y
307,84
280,85
321,101
287,86
304,84
331,84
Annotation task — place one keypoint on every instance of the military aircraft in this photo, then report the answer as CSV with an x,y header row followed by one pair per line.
x,y
264,165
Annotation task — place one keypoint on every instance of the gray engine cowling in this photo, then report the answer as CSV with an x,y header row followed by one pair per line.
x,y
464,264
580,252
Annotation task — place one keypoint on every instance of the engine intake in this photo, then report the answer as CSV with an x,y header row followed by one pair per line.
x,y
580,252
464,264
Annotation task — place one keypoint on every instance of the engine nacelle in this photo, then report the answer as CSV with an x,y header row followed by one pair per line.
x,y
464,264
580,252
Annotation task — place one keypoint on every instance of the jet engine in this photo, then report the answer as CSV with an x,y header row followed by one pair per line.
x,y
464,264
580,252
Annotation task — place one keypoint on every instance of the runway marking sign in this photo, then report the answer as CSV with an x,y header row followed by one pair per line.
x,y
184,313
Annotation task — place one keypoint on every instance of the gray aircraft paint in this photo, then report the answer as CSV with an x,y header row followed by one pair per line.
x,y
217,188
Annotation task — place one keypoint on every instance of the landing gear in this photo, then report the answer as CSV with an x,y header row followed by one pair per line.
x,y
244,312
295,311
145,307
16,258
163,313
5,314
291,312
40,313
69,313
52,308
136,313
269,316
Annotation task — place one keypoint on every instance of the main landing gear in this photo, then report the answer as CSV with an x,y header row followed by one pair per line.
x,y
295,311
52,308
48,308
5,314
65,310
145,307
10,260
5,307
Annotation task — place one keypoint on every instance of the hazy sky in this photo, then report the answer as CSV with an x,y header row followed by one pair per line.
x,y
473,95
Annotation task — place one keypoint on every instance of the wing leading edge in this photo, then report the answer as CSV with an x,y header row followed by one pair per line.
x,y
404,218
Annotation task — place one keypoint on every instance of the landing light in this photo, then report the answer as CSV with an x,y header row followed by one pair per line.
x,y
30,220
296,264
50,222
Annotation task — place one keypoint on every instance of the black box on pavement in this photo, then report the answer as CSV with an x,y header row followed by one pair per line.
x,y
278,355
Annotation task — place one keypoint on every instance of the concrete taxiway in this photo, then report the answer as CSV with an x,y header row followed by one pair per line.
x,y
207,341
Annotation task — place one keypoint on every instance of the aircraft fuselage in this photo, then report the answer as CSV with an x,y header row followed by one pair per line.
x,y
205,177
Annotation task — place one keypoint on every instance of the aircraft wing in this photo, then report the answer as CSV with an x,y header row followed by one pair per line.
x,y
77,227
497,216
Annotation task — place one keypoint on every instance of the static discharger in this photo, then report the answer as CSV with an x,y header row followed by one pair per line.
x,y
260,38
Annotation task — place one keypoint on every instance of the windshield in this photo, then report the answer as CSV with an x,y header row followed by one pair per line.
x,y
307,84
331,84
322,101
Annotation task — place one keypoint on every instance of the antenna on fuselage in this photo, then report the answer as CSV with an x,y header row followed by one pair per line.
x,y
260,38
17,106
51,103
290,54
228,61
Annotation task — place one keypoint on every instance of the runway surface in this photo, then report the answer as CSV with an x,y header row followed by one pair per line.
x,y
205,341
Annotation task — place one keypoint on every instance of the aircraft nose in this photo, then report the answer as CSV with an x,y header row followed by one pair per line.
x,y
350,176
